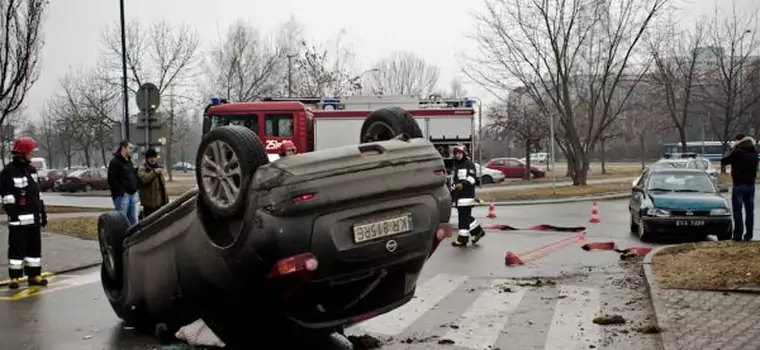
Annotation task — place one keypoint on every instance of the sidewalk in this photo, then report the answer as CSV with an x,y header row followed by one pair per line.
x,y
59,252
702,319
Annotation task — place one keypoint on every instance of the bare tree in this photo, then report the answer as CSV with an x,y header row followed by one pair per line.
x,y
523,120
20,51
244,65
164,55
678,65
403,73
733,41
566,54
320,73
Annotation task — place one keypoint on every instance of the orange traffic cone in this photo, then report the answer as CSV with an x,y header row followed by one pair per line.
x,y
512,259
492,210
582,237
594,214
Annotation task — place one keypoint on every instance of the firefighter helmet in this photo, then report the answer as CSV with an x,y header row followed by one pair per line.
x,y
286,146
24,144
460,148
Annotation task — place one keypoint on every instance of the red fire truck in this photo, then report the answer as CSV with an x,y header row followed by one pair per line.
x,y
319,123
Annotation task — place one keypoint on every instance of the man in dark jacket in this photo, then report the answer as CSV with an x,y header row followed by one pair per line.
x,y
22,202
152,186
122,179
463,196
742,157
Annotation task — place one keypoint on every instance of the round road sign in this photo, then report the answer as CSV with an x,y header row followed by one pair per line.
x,y
148,97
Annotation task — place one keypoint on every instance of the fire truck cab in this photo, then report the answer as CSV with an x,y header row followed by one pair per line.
x,y
320,123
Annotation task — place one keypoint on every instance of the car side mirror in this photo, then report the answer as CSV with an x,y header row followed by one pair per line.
x,y
637,189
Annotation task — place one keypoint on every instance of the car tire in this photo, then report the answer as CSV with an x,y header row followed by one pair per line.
x,y
486,180
387,123
634,225
228,145
643,233
112,230
87,188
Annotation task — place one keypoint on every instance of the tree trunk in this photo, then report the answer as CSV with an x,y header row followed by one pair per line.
x,y
87,157
601,148
169,146
526,174
642,146
682,139
103,151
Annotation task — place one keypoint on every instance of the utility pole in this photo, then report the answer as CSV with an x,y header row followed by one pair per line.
x,y
125,133
170,139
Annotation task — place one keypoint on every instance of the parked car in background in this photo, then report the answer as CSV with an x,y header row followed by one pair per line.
x,y
85,180
49,180
183,166
679,203
514,168
538,158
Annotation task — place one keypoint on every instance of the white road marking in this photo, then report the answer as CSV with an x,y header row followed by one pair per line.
x,y
481,324
572,325
427,296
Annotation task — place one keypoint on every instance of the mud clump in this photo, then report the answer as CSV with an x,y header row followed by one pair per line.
x,y
649,329
365,342
609,319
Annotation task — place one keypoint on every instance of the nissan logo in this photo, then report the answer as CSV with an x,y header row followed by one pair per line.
x,y
391,246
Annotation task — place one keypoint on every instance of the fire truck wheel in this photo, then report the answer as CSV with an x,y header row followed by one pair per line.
x,y
387,123
227,158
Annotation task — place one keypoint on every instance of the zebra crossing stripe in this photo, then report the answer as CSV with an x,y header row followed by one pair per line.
x,y
480,326
572,326
425,298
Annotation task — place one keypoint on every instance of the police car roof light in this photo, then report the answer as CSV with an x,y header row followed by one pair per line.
x,y
216,100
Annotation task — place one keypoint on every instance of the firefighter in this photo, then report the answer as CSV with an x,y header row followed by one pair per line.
x,y
23,204
463,195
287,148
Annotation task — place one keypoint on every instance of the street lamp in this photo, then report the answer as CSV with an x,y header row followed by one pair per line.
x,y
125,129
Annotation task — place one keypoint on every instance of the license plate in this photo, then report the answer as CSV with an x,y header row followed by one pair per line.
x,y
380,229
693,223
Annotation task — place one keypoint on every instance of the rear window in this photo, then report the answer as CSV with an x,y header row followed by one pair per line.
x,y
249,121
278,125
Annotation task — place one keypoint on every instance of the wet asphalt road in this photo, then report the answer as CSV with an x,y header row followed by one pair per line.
x,y
461,297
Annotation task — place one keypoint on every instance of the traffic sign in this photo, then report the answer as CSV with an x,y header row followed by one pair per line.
x,y
148,97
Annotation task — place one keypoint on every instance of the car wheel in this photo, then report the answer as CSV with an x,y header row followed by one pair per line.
x,y
227,159
387,123
634,225
112,229
87,188
486,179
725,236
644,234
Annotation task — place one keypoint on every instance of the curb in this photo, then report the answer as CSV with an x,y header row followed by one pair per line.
x,y
560,200
660,311
60,272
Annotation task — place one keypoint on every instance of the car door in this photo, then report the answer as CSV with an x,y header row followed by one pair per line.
x,y
515,169
100,181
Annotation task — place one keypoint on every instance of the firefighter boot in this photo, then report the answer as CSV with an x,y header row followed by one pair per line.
x,y
462,238
477,233
14,284
38,281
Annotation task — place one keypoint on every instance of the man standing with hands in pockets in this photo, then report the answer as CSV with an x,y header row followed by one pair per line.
x,y
152,186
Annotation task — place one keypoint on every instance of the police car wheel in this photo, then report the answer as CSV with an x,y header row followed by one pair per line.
x,y
387,123
226,161
112,229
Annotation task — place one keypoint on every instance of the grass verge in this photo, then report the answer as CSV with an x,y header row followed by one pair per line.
x,y
561,192
54,209
708,265
85,227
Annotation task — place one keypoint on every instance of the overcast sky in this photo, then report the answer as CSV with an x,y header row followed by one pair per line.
x,y
434,29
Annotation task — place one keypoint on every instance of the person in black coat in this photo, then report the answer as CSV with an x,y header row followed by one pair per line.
x,y
464,178
742,157
122,180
